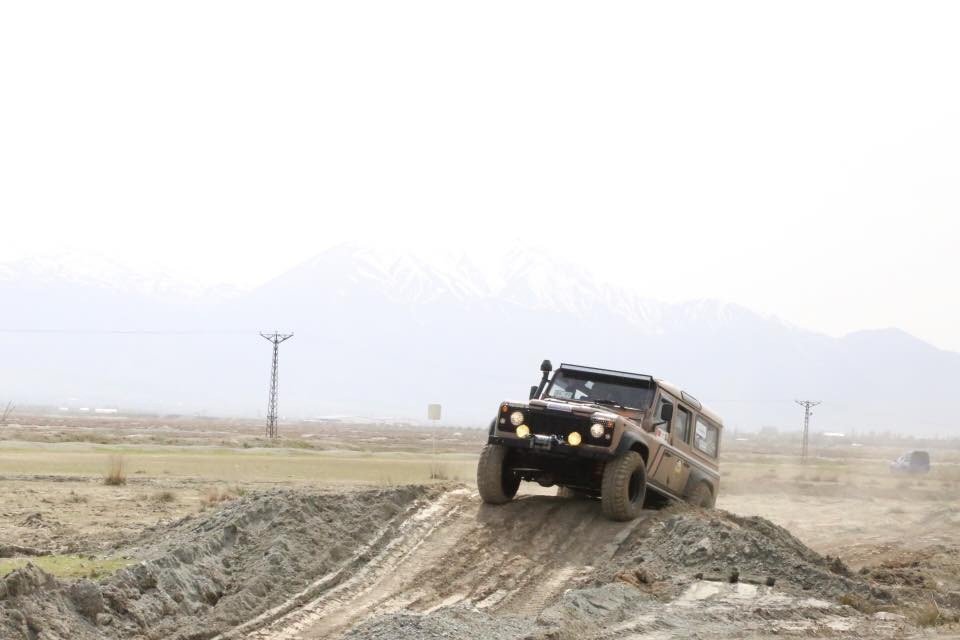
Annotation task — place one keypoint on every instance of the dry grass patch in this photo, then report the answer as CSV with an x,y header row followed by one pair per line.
x,y
858,602
215,495
166,496
116,474
439,472
931,615
76,498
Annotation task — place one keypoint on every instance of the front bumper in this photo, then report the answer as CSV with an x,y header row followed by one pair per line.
x,y
552,446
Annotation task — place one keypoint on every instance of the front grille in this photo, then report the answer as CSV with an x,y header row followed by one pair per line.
x,y
557,424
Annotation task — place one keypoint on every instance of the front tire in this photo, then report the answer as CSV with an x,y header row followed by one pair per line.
x,y
495,481
624,487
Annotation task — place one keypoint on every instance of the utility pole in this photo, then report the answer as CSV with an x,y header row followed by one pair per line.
x,y
807,405
275,338
5,413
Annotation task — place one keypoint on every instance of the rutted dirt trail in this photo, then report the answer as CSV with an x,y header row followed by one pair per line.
x,y
515,559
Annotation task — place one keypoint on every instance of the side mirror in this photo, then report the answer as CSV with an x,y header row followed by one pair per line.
x,y
533,391
666,412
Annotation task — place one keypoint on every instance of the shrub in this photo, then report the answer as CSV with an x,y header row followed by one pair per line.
x,y
116,474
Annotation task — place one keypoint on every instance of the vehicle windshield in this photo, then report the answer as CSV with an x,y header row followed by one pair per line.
x,y
601,389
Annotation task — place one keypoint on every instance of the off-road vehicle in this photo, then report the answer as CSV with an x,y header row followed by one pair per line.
x,y
625,438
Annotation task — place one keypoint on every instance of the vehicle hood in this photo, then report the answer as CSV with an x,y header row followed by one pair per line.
x,y
581,409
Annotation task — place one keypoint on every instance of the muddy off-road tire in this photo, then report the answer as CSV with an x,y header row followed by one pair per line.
x,y
701,496
624,487
497,484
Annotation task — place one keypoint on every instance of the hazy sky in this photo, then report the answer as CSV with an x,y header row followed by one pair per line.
x,y
798,158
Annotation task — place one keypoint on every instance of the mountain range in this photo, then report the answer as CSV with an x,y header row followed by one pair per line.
x,y
385,333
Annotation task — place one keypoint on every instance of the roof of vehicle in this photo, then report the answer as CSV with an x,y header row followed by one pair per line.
x,y
680,393
621,374
670,387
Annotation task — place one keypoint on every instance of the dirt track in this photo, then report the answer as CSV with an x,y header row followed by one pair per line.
x,y
515,558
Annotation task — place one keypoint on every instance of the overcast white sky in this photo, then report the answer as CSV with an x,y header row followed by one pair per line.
x,y
797,158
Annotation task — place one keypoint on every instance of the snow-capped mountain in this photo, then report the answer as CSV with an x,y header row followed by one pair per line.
x,y
385,333
91,270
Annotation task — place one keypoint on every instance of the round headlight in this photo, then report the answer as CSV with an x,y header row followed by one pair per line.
x,y
516,418
596,430
574,439
523,431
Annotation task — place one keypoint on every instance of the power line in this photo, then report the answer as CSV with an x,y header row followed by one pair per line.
x,y
154,332
807,405
276,339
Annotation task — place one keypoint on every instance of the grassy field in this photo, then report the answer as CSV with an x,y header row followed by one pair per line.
x,y
68,566
235,465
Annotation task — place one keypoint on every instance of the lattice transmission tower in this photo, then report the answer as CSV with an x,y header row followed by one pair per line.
x,y
807,405
275,338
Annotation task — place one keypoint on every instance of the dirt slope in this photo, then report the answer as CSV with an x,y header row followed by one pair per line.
x,y
209,573
514,559
432,562
550,567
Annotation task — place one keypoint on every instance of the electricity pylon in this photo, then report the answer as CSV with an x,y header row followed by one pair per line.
x,y
807,405
275,338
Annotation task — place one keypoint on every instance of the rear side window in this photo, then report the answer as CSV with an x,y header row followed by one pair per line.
x,y
706,438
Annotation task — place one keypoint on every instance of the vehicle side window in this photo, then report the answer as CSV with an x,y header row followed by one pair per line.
x,y
706,438
664,413
681,425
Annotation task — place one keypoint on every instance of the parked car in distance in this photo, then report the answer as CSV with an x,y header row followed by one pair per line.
x,y
913,462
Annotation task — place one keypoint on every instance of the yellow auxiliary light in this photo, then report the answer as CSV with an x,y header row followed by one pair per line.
x,y
574,439
523,431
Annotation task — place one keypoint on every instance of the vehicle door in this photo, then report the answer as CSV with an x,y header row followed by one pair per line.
x,y
670,467
680,440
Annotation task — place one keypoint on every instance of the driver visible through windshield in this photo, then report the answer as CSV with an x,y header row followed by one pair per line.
x,y
601,389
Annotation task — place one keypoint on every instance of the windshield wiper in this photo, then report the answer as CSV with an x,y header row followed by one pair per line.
x,y
606,402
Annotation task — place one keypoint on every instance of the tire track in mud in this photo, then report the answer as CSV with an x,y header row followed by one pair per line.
x,y
511,559
344,600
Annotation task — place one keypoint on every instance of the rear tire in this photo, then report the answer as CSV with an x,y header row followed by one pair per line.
x,y
496,483
702,496
624,487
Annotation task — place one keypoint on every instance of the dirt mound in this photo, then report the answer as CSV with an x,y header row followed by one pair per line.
x,y
432,562
550,569
206,574
685,543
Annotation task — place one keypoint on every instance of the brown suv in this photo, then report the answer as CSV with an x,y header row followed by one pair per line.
x,y
607,434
